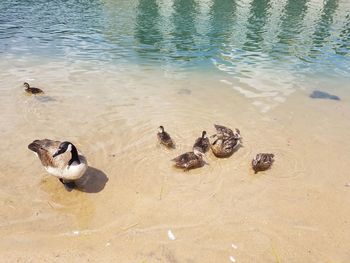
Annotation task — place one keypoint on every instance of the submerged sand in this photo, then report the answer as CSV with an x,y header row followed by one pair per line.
x,y
132,195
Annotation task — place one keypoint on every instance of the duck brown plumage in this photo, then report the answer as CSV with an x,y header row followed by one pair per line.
x,y
225,148
32,90
202,143
189,160
164,138
225,133
262,161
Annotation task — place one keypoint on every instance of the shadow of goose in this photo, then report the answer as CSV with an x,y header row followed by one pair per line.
x,y
93,181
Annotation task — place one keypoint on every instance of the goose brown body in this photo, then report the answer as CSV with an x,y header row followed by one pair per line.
x,y
69,165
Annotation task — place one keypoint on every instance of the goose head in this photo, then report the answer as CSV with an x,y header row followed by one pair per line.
x,y
161,129
204,134
68,147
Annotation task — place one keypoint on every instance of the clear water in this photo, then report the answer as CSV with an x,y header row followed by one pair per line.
x,y
297,37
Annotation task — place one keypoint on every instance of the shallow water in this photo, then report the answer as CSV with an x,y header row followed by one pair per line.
x,y
113,72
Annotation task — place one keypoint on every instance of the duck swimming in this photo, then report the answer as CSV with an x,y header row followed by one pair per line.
x,y
202,143
32,90
189,160
262,161
225,148
164,138
60,159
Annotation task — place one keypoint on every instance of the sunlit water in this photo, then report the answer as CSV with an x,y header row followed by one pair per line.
x,y
113,71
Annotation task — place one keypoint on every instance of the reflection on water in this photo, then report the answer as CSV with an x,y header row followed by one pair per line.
x,y
182,34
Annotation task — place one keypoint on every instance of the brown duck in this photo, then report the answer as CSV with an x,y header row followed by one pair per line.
x,y
164,138
32,90
202,143
225,148
225,133
190,160
262,161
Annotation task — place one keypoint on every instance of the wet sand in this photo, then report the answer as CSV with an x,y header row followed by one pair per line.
x,y
132,195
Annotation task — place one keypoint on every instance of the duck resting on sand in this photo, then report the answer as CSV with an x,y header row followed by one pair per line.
x,y
202,143
164,138
60,159
32,90
262,161
190,160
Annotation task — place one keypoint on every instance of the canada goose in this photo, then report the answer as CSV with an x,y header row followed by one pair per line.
x,y
262,161
32,90
202,143
190,160
225,148
60,159
164,138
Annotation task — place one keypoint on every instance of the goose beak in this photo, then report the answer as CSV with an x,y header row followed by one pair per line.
x,y
55,154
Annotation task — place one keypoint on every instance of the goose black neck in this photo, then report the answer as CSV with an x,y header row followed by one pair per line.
x,y
75,156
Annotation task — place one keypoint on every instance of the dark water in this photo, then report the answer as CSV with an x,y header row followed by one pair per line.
x,y
297,36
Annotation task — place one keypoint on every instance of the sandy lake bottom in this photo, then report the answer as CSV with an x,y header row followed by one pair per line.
x,y
134,206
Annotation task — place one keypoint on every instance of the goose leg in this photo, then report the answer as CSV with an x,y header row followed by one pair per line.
x,y
69,185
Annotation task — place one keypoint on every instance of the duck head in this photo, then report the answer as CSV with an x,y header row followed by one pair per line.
x,y
256,160
237,135
26,85
161,129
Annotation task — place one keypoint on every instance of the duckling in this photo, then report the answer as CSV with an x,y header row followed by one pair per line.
x,y
202,143
225,133
262,161
32,90
164,138
190,160
225,148
60,159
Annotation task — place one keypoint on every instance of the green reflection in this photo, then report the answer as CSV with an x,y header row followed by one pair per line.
x,y
183,19
147,31
343,45
259,10
291,26
322,29
222,16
